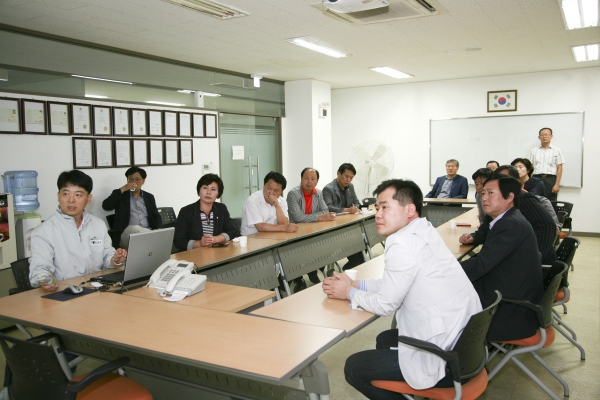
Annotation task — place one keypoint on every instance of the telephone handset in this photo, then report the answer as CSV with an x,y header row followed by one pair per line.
x,y
186,284
170,270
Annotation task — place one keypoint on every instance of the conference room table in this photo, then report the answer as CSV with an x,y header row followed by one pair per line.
x,y
440,211
204,346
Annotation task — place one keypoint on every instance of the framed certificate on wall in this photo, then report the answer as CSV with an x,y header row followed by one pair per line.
x,y
34,117
186,152
140,152
58,118
155,123
171,152
104,153
81,119
211,126
185,124
198,125
139,123
10,115
123,153
156,152
83,153
121,125
170,123
102,121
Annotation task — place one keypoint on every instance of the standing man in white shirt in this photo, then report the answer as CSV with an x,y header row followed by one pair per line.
x,y
548,163
265,210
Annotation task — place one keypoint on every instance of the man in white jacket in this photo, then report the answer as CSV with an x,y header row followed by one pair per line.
x,y
422,284
72,242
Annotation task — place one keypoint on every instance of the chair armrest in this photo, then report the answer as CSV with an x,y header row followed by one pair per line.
x,y
12,291
537,309
97,374
450,357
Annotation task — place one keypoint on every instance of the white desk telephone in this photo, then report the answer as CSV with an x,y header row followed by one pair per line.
x,y
174,275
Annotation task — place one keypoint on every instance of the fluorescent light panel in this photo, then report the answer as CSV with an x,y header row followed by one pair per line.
x,y
315,45
587,52
96,96
211,94
580,13
392,72
164,103
211,8
101,79
186,91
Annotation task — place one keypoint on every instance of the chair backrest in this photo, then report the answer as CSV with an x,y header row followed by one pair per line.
x,y
168,216
20,270
110,219
554,278
471,345
561,215
566,250
238,223
35,370
562,206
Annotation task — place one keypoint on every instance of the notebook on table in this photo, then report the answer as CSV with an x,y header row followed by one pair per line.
x,y
147,251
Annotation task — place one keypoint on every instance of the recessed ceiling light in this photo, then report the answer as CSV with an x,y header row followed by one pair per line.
x,y
101,79
587,52
394,73
186,91
318,46
164,103
209,94
473,48
96,96
580,13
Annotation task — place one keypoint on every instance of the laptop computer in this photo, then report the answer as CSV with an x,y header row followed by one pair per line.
x,y
147,251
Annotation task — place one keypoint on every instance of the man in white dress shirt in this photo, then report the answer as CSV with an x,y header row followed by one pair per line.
x,y
422,283
265,210
547,161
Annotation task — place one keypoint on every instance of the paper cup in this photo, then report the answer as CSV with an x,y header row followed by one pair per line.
x,y
243,241
452,224
352,273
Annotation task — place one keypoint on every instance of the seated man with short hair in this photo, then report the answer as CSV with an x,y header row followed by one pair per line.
x,y
479,177
422,284
306,204
508,261
72,242
339,195
135,210
493,165
542,223
266,210
451,185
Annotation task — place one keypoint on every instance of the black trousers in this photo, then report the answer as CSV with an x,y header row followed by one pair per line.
x,y
380,364
549,182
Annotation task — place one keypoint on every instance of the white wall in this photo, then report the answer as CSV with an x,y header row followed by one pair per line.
x,y
399,115
306,138
173,186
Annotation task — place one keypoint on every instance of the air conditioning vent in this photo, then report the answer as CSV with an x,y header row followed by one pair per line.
x,y
397,10
211,8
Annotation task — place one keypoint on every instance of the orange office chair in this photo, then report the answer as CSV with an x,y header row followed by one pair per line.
x,y
33,372
543,338
466,360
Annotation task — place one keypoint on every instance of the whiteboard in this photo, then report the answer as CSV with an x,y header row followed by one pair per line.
x,y
475,141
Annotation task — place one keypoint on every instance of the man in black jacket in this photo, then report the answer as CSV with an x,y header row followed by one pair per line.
x,y
508,261
135,210
542,223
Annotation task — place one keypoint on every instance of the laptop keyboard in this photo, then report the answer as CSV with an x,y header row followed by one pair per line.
x,y
115,277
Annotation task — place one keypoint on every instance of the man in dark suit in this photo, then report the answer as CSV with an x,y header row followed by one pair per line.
x,y
509,261
451,185
542,223
135,210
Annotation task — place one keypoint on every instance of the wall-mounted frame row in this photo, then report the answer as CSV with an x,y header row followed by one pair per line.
x,y
119,153
39,117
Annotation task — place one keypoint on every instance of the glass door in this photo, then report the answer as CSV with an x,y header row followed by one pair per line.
x,y
250,148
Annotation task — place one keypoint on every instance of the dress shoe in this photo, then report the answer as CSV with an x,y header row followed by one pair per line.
x,y
299,285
